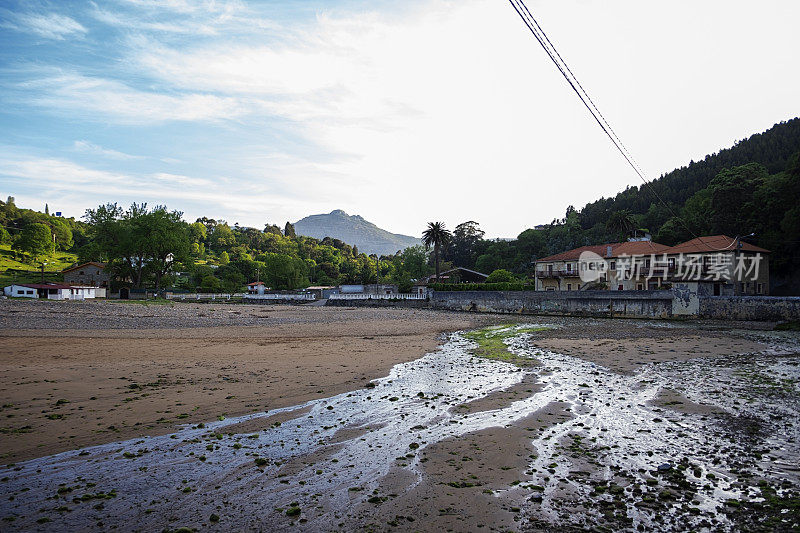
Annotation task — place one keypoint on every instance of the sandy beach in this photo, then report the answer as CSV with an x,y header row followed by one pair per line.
x,y
363,432
77,374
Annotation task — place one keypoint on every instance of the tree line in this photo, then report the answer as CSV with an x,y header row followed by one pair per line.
x,y
750,188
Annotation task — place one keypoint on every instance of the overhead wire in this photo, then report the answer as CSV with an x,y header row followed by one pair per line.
x,y
539,34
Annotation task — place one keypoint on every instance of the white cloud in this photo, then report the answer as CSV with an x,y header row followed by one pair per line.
x,y
99,99
89,147
441,109
49,25
65,183
455,100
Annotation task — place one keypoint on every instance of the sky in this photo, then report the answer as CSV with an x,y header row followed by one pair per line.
x,y
405,112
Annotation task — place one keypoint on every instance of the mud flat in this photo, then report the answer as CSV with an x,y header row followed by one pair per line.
x,y
76,374
693,428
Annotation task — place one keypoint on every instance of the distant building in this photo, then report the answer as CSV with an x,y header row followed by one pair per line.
x,y
257,287
322,292
384,288
718,264
726,266
561,272
457,275
92,274
50,291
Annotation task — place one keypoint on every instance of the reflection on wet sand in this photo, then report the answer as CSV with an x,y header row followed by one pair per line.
x,y
615,452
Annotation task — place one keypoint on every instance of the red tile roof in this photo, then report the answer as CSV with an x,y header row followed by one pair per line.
x,y
44,285
617,249
713,243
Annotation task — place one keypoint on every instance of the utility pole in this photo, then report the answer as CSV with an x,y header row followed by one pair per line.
x,y
43,264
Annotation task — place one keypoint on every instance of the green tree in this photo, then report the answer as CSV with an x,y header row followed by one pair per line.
x,y
198,232
224,258
168,241
36,240
283,271
5,237
732,192
288,230
466,238
436,235
210,283
222,238
500,276
621,223
62,234
273,229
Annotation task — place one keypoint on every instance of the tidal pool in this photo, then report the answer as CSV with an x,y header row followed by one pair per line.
x,y
625,458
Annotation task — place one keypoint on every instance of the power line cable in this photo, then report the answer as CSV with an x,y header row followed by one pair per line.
x,y
530,22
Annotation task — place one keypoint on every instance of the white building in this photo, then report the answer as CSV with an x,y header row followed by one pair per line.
x,y
50,291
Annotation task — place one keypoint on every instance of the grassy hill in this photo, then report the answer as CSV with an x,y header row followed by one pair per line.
x,y
14,271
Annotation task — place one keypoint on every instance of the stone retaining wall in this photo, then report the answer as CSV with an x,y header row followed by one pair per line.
x,y
769,308
639,304
683,302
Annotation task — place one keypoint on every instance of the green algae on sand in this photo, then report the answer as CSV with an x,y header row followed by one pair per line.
x,y
492,344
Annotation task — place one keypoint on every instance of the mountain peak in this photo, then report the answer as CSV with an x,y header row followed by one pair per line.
x,y
355,231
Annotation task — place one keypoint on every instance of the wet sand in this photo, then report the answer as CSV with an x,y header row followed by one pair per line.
x,y
485,458
63,386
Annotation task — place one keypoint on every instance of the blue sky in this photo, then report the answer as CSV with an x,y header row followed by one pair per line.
x,y
269,111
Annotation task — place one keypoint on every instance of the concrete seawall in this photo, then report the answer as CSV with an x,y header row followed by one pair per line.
x,y
769,308
640,304
680,303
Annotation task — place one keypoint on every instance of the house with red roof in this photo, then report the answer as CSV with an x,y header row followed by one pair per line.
x,y
719,265
562,272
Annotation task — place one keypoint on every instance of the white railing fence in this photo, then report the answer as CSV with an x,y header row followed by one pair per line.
x,y
204,296
360,296
302,297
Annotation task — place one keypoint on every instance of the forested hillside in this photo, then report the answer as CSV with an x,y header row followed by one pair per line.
x,y
156,248
752,187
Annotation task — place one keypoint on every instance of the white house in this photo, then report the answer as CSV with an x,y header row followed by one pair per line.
x,y
50,291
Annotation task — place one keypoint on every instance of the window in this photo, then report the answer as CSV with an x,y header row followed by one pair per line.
x,y
717,289
551,288
29,292
569,286
569,267
639,287
619,288
613,265
20,291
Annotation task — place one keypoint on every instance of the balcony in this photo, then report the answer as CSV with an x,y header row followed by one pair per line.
x,y
542,274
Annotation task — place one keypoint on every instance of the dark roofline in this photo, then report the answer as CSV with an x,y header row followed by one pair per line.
x,y
76,267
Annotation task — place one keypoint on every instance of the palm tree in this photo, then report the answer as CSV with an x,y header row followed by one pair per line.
x,y
436,235
621,222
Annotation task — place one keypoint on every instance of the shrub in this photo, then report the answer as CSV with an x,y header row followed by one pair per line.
x,y
500,276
